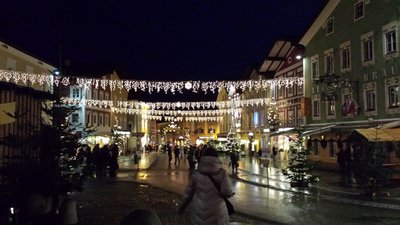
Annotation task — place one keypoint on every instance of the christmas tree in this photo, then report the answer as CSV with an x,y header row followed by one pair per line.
x,y
273,117
299,170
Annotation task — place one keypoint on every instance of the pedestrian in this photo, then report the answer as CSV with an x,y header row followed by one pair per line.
x,y
341,160
234,163
96,159
89,167
141,217
191,157
208,205
274,153
177,151
113,160
101,167
347,160
169,152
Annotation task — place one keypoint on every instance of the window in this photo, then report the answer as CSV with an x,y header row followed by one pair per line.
x,y
75,93
315,67
359,10
281,91
11,64
106,96
329,26
95,94
368,50
106,120
329,62
211,130
345,56
390,42
101,95
199,130
389,32
75,117
88,119
255,119
101,119
331,108
95,119
316,110
393,93
370,100
331,148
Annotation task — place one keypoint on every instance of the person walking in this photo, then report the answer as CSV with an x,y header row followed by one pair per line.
x,y
169,152
209,207
113,160
177,151
234,163
191,157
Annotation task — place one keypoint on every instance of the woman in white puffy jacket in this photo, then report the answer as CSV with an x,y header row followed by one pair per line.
x,y
208,206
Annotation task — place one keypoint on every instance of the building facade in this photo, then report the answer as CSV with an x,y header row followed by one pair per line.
x,y
351,72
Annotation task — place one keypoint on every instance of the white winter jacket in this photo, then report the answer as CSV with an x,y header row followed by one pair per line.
x,y
208,207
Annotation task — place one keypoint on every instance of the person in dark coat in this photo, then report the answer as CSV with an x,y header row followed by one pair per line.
x,y
89,167
341,160
102,161
113,160
177,151
169,152
234,163
208,207
96,159
191,157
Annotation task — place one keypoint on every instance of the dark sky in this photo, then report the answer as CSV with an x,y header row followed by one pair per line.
x,y
154,39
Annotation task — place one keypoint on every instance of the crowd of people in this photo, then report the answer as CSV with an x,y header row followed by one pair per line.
x,y
101,161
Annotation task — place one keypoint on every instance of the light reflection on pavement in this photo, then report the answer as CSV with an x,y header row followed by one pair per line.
x,y
286,207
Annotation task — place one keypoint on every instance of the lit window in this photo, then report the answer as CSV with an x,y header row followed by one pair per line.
x,y
255,119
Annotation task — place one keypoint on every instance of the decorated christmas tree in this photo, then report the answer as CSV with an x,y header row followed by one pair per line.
x,y
299,170
273,117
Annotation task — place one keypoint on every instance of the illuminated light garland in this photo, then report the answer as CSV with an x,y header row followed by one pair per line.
x,y
167,105
189,113
149,86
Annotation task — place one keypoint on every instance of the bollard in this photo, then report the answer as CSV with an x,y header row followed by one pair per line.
x,y
69,215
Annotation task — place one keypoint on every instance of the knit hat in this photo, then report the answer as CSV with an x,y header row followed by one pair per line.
x,y
210,151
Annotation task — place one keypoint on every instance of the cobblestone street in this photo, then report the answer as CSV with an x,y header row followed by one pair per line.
x,y
105,201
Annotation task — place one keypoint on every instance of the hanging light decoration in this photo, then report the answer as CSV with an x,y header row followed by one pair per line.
x,y
149,86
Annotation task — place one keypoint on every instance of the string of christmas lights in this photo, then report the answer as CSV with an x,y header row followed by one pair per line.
x,y
166,105
149,86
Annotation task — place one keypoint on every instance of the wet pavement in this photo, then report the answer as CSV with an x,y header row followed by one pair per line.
x,y
264,194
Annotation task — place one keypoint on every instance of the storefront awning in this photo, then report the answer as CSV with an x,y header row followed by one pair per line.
x,y
372,134
319,130
284,131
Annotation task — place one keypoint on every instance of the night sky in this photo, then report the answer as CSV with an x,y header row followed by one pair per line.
x,y
154,39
